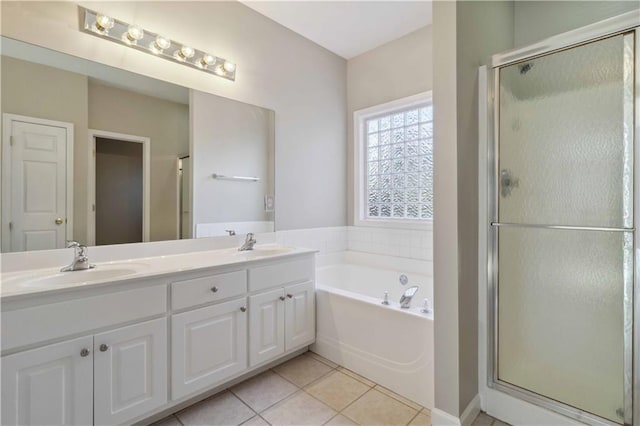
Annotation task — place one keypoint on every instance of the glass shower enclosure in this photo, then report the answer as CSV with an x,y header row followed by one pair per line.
x,y
562,229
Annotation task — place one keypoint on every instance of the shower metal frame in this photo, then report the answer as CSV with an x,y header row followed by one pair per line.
x,y
629,25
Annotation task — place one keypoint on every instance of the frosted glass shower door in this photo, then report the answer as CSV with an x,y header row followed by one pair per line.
x,y
564,225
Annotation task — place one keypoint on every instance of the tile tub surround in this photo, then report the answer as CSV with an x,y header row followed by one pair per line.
x,y
307,390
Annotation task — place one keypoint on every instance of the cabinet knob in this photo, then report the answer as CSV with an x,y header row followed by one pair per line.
x,y
214,289
281,297
243,309
290,296
84,352
104,348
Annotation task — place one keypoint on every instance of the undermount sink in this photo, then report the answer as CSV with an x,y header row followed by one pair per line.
x,y
55,278
76,277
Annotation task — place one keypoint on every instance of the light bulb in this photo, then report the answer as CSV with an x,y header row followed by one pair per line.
x,y
229,66
133,34
103,23
219,70
184,53
206,60
159,44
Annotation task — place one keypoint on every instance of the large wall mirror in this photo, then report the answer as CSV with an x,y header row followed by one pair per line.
x,y
104,156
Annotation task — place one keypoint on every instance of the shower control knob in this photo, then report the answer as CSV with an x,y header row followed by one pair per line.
x,y
214,289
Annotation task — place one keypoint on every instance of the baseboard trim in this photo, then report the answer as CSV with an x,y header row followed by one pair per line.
x,y
471,412
442,418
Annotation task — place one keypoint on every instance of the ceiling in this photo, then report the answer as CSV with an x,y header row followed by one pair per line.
x,y
347,28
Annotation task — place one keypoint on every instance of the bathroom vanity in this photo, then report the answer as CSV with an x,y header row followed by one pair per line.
x,y
127,340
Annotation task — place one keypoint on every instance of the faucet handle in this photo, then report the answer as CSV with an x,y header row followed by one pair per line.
x,y
72,244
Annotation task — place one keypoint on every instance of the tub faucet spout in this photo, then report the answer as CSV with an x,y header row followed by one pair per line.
x,y
405,299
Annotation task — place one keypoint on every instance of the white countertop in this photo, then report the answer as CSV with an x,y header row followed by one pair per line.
x,y
50,280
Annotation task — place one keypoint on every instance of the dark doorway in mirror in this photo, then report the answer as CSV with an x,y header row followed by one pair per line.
x,y
119,189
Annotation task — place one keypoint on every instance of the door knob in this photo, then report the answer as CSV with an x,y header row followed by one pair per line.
x,y
59,221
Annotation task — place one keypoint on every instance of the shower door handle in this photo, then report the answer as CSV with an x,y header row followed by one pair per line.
x,y
507,182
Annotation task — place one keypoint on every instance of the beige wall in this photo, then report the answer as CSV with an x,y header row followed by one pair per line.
x,y
537,20
467,33
166,123
277,69
43,92
395,70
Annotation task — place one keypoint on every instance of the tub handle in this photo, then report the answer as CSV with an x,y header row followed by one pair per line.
x,y
290,296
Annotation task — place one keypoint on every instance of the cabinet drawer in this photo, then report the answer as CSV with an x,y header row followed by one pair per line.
x,y
207,289
281,273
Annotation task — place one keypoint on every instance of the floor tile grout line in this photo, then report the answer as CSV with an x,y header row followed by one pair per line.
x,y
391,396
353,402
360,377
255,413
414,417
177,418
321,358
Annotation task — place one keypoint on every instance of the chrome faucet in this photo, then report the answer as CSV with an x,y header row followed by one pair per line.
x,y
405,299
249,242
81,260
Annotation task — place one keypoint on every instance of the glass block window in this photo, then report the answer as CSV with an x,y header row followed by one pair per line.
x,y
398,151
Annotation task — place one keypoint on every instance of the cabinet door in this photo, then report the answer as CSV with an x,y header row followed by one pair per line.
x,y
208,345
300,315
266,326
52,385
130,371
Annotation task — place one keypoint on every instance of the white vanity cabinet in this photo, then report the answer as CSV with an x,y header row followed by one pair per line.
x,y
122,373
208,346
126,350
103,378
282,318
49,385
130,371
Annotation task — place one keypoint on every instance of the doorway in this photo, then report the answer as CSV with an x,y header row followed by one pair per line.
x,y
118,189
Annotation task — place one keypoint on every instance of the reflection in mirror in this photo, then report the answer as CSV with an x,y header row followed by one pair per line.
x,y
102,156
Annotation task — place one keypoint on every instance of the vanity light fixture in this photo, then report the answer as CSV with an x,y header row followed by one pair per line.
x,y
131,35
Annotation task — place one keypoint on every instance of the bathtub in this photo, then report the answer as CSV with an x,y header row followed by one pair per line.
x,y
386,344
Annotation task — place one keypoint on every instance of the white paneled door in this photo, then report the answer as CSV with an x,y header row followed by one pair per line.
x,y
36,183
52,385
299,323
266,325
130,371
208,345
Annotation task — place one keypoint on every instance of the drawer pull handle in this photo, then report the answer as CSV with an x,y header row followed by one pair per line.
x,y
290,296
243,309
214,289
104,348
282,298
84,352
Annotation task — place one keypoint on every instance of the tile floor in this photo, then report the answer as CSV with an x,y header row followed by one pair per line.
x,y
307,390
